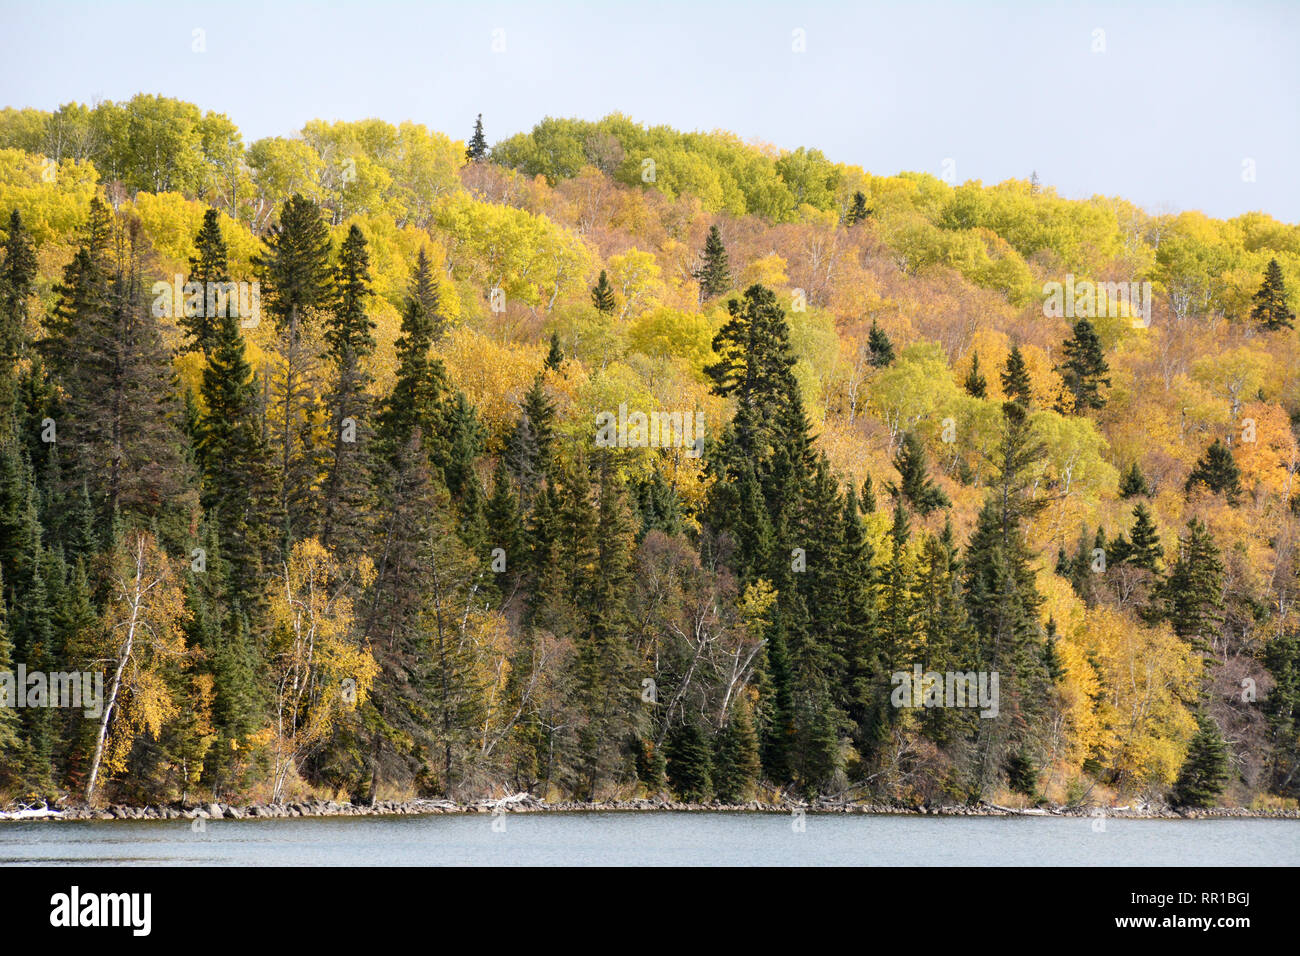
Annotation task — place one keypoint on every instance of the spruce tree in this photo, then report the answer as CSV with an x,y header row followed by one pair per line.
x,y
477,150
554,354
880,350
690,765
735,762
1133,484
349,337
1193,593
209,265
975,384
1270,309
1015,378
713,273
858,211
1217,471
602,295
1144,547
17,275
1204,773
915,486
1084,370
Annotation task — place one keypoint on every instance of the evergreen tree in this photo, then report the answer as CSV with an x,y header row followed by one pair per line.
x,y
17,276
880,349
1084,370
1193,592
1270,309
1015,378
208,267
477,150
1204,773
1282,709
858,211
1133,484
1217,471
690,765
1144,549
349,337
713,273
735,762
975,384
602,295
296,281
915,486
554,354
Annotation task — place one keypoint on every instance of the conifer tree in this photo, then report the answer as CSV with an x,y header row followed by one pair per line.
x,y
1193,592
1217,471
17,275
297,281
349,337
1204,773
1015,378
477,150
554,354
915,486
858,211
209,265
602,295
713,273
879,348
1084,370
1144,550
975,384
1270,309
689,763
735,762
1133,484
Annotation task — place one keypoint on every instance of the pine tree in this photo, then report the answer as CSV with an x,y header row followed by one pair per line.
x,y
17,275
602,295
1204,773
421,391
477,150
1133,484
858,211
690,765
1193,593
554,354
208,267
915,486
349,336
879,348
1015,378
1217,471
975,384
296,281
1084,370
735,762
1270,309
1144,549
714,274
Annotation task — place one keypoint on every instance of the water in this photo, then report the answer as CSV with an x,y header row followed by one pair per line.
x,y
647,839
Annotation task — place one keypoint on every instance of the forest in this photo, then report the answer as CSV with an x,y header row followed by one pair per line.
x,y
353,460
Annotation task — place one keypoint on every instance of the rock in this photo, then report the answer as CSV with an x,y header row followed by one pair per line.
x,y
214,811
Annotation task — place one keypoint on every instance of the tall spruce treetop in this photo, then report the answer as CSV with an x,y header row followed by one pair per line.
x,y
1217,470
554,354
602,295
975,384
477,149
1133,483
1194,590
714,274
1270,309
858,211
295,268
1144,549
1015,378
17,274
209,264
914,484
419,394
1084,370
879,348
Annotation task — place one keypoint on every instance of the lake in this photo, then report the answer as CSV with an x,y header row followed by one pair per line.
x,y
656,838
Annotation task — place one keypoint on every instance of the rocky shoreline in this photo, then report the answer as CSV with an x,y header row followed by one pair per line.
x,y
526,803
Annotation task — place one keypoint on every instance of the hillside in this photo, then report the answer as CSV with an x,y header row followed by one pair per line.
x,y
426,518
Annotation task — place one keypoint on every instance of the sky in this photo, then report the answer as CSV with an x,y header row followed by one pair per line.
x,y
1174,105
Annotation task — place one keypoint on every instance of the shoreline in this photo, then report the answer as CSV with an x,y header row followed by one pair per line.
x,y
528,804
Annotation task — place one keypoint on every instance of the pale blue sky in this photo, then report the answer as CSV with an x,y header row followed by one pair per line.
x,y
1184,92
